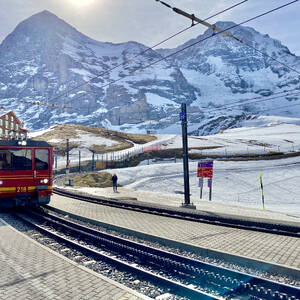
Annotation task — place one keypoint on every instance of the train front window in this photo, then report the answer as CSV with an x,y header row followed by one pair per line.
x,y
41,159
16,159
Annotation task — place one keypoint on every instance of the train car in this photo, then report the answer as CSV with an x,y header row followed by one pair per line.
x,y
25,173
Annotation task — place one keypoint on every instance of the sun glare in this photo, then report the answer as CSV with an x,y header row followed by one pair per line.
x,y
81,3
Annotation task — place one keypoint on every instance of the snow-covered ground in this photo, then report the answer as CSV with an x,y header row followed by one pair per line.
x,y
85,154
234,182
246,140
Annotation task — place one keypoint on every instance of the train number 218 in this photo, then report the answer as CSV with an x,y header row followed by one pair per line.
x,y
21,189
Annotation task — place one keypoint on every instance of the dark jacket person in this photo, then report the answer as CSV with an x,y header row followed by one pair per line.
x,y
114,181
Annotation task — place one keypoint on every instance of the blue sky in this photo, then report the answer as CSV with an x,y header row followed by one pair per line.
x,y
149,22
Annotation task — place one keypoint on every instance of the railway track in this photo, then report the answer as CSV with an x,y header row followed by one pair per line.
x,y
276,227
176,274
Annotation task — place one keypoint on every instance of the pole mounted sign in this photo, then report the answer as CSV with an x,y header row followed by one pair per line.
x,y
182,116
205,169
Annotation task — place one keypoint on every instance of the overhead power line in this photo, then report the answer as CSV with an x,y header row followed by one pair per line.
x,y
191,45
121,64
195,43
176,52
257,99
280,107
199,21
228,34
263,100
139,54
39,103
46,104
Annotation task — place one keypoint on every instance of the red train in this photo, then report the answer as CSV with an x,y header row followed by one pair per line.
x,y
25,173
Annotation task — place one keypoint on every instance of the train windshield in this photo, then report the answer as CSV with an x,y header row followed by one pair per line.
x,y
16,159
41,159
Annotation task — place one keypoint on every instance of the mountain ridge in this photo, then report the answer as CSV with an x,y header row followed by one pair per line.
x,y
45,59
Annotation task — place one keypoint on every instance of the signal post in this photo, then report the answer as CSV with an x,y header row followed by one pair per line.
x,y
183,118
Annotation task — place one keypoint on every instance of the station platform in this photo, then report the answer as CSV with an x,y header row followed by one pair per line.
x,y
32,271
278,250
176,200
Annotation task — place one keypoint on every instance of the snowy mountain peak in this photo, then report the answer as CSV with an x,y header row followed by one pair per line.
x,y
47,60
45,13
36,30
43,21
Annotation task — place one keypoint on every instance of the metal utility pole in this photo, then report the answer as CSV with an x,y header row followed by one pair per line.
x,y
262,191
79,161
183,118
68,161
67,164
93,161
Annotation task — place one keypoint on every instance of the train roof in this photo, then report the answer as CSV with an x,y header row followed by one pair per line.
x,y
27,143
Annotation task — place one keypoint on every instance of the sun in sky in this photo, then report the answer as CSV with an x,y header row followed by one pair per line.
x,y
81,3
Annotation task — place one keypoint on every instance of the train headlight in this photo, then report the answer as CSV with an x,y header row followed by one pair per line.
x,y
22,143
1,182
44,180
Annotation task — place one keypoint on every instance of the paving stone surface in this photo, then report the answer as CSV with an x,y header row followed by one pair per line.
x,y
271,248
30,271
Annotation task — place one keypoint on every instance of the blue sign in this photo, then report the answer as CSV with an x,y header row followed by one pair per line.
x,y
205,164
182,116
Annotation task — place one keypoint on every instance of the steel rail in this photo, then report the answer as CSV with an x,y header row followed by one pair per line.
x,y
227,282
176,287
260,225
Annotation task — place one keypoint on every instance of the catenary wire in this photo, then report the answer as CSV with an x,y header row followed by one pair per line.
x,y
236,25
135,56
197,42
207,111
140,53
220,31
250,100
280,107
176,52
259,99
121,64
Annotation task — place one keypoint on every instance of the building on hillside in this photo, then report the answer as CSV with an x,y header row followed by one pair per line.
x,y
10,126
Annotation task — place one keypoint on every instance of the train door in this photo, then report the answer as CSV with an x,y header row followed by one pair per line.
x,y
43,175
42,167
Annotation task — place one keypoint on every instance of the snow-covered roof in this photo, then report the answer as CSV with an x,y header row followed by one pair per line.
x,y
4,112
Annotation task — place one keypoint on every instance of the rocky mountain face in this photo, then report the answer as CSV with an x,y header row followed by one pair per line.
x,y
48,62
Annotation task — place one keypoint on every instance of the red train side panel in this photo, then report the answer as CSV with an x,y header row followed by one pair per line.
x,y
25,173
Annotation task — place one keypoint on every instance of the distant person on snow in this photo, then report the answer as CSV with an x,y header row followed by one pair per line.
x,y
114,181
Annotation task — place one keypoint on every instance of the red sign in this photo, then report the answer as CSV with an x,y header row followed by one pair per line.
x,y
205,172
205,169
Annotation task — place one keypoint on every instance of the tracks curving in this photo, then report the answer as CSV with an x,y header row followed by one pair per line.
x,y
274,227
181,275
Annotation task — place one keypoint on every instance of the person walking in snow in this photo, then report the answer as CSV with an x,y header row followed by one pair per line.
x,y
114,181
